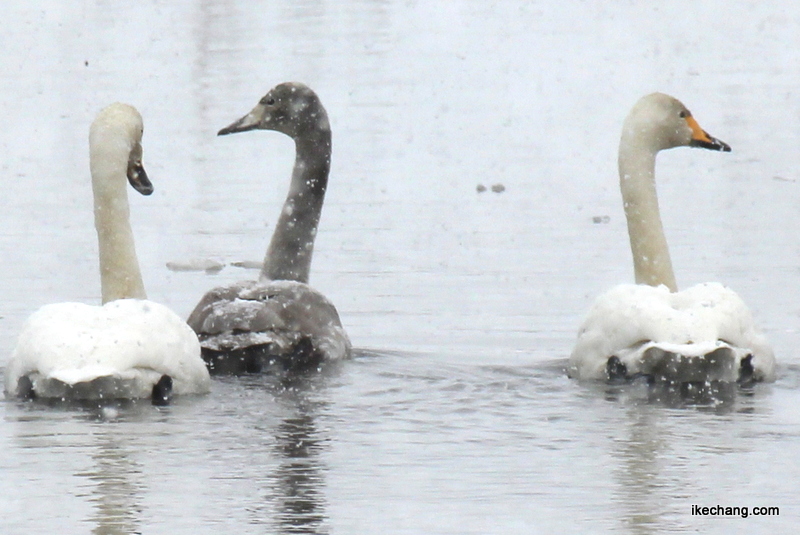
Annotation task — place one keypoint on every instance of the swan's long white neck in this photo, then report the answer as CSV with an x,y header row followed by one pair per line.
x,y
119,268
292,245
651,261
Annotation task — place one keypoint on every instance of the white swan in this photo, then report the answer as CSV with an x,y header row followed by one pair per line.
x,y
650,329
279,320
129,347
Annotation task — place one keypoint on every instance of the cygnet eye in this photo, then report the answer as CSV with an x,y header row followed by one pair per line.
x,y
684,114
268,101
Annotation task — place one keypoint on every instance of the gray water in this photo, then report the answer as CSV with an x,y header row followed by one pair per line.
x,y
455,416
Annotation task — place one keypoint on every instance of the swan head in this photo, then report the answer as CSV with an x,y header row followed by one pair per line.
x,y
291,108
116,136
659,122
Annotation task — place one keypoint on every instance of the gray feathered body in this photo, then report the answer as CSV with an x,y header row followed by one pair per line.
x,y
254,325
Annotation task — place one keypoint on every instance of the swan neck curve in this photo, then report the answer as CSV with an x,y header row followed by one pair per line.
x,y
120,277
651,260
292,245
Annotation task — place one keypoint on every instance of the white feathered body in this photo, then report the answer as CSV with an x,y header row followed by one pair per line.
x,y
118,350
642,325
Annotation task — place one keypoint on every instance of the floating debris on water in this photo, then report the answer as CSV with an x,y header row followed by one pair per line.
x,y
248,264
201,264
497,188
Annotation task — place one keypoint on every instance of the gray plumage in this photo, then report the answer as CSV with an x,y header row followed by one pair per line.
x,y
279,319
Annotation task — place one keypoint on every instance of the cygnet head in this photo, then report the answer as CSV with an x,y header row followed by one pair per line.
x,y
116,136
291,108
659,122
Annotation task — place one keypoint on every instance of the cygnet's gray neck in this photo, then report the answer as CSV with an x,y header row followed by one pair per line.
x,y
292,245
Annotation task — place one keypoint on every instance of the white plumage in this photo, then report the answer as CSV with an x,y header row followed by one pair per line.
x,y
118,350
704,333
129,347
644,326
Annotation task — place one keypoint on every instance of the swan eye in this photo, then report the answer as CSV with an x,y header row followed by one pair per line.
x,y
684,114
267,101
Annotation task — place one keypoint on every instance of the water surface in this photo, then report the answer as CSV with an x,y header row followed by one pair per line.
x,y
455,416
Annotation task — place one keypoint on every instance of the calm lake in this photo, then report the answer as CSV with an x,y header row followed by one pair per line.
x,y
455,415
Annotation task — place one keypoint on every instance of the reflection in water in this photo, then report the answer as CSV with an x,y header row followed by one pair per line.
x,y
646,455
639,475
72,435
295,496
719,397
117,477
298,478
118,489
